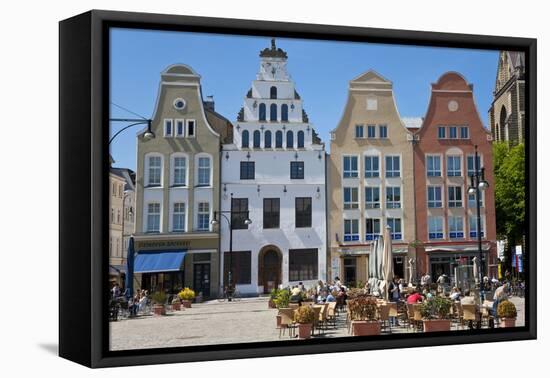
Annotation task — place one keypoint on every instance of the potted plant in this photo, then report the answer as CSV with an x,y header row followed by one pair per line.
x,y
355,293
363,316
507,314
176,304
282,299
186,295
304,317
159,299
272,297
435,313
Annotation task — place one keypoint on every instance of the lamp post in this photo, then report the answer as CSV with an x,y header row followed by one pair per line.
x,y
229,220
147,135
477,186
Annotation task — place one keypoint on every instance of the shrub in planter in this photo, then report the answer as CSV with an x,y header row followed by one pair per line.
x,y
282,299
355,292
186,295
436,314
304,317
272,296
507,313
159,299
362,311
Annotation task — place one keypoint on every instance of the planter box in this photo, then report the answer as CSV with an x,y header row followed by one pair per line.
x,y
176,306
437,325
365,328
507,322
159,310
186,304
304,331
278,318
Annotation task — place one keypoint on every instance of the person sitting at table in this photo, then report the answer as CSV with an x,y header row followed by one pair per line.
x,y
415,297
331,297
296,296
455,294
468,299
501,294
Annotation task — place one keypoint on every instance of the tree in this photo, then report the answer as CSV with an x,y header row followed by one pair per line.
x,y
509,172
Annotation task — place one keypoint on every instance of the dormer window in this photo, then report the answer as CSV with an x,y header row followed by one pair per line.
x,y
273,93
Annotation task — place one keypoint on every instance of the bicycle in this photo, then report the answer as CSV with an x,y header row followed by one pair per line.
x,y
229,295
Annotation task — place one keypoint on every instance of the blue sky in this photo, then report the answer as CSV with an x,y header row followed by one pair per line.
x,y
321,70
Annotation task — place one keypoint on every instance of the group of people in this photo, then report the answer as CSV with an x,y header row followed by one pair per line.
x,y
322,293
136,303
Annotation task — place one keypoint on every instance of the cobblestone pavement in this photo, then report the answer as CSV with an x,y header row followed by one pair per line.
x,y
213,322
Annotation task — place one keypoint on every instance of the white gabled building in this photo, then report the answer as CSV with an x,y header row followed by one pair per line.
x,y
275,169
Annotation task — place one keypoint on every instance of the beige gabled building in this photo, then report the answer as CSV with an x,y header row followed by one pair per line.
x,y
370,180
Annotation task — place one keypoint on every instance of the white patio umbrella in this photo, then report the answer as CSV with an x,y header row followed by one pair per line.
x,y
476,269
387,260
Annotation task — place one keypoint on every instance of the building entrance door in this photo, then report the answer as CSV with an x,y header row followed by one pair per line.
x,y
201,279
350,271
271,270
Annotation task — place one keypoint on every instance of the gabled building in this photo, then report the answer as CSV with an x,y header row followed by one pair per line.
x,y
446,218
177,188
507,112
370,180
274,171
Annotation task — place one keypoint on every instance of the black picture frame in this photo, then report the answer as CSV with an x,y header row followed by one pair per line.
x,y
84,163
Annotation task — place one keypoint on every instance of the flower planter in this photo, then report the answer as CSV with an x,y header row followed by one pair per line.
x,y
437,325
159,310
176,306
304,331
365,328
186,303
271,304
507,322
278,318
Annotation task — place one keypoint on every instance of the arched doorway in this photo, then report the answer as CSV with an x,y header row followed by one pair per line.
x,y
269,267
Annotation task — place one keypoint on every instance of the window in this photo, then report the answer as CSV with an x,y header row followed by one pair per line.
x,y
239,213
203,216
112,215
279,139
434,197
297,170
383,131
350,166
452,132
435,227
372,104
303,212
180,129
204,171
273,112
300,139
256,138
262,112
153,217
180,170
289,139
241,267
179,103
273,92
371,131
472,200
393,197
118,216
351,229
271,212
267,139
455,196
441,132
454,166
372,166
155,167
178,221
372,229
433,166
456,227
473,227
284,113
351,199
392,166
302,264
247,170
245,139
190,128
372,197
395,225
168,129
464,132
359,131
471,164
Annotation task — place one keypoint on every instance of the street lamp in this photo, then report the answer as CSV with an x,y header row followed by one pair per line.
x,y
147,135
478,184
229,220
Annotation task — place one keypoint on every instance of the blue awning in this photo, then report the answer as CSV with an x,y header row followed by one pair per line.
x,y
158,261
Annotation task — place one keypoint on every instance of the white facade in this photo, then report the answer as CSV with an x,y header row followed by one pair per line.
x,y
272,151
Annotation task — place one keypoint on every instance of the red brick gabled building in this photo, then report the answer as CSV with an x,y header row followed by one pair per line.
x,y
446,222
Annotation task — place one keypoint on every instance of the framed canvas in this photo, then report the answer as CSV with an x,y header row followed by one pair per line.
x,y
236,188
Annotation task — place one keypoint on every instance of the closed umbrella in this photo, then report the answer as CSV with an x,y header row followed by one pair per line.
x,y
476,269
387,260
372,258
129,283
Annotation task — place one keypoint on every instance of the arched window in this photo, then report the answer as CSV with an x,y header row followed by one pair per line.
x,y
273,112
273,92
267,139
284,112
262,112
256,139
300,139
279,139
289,139
503,126
244,138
